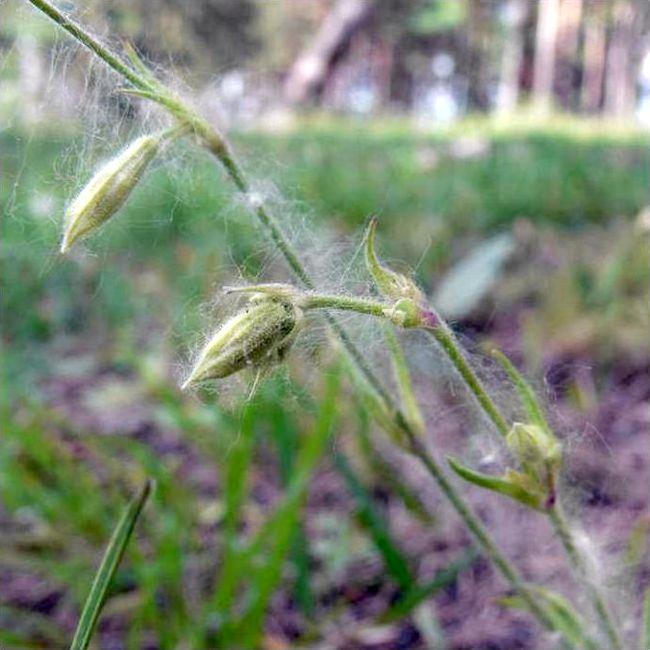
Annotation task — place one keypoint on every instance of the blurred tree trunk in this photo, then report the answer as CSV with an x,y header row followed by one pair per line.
x,y
620,93
513,56
567,51
544,63
593,58
308,74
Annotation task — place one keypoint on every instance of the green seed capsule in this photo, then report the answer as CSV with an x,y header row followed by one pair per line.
x,y
259,335
108,189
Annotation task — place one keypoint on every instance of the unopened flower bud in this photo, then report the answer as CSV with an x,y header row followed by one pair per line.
x,y
539,453
108,189
259,335
405,313
390,284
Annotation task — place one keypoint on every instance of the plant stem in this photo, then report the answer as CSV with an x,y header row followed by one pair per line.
x,y
443,335
345,303
479,532
80,34
563,531
445,338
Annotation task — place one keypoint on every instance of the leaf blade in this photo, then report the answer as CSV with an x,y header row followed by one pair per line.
x,y
495,484
111,560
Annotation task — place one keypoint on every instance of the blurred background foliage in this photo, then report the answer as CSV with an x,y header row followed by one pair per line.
x,y
504,146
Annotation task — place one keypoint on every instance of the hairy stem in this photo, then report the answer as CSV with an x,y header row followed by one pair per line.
x,y
443,335
345,303
80,34
445,338
563,531
479,532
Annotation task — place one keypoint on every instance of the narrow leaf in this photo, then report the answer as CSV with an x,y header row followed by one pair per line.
x,y
235,490
498,484
136,92
108,567
138,63
403,379
564,618
526,393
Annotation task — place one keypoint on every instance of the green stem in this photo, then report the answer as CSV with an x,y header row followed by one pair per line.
x,y
80,34
479,532
563,531
345,303
442,334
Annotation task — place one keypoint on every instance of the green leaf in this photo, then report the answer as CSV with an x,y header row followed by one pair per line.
x,y
526,393
390,284
139,64
145,94
235,490
510,485
286,434
108,567
562,615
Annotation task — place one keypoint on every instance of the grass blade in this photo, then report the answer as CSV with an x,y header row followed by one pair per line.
x,y
403,379
525,391
395,560
103,577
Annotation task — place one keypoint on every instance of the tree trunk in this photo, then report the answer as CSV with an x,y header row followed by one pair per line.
x,y
620,93
544,64
567,51
308,74
593,62
513,56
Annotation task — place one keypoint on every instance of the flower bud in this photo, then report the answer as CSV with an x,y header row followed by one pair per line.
x,y
533,445
539,453
405,313
259,335
390,284
108,189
